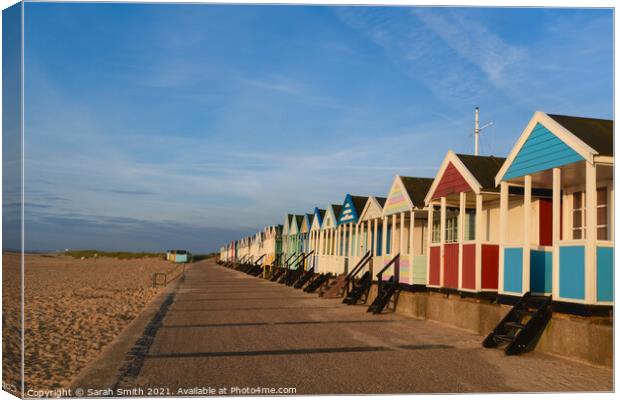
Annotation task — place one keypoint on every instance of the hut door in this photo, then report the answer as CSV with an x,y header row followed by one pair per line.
x,y
545,222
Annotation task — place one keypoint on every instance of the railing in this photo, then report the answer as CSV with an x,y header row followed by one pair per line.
x,y
259,258
358,267
277,260
388,265
165,275
301,259
289,259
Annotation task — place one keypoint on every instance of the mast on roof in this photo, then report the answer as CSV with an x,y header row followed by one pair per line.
x,y
477,129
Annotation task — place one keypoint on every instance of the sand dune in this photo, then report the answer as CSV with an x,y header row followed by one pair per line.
x,y
74,307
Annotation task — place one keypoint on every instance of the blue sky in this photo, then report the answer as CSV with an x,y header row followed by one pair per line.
x,y
157,126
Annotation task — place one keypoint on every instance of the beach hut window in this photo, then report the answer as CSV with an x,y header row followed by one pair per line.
x,y
601,213
578,216
436,225
470,224
452,217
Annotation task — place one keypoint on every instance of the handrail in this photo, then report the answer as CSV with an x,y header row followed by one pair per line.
x,y
290,264
259,258
302,258
276,260
388,265
289,259
359,265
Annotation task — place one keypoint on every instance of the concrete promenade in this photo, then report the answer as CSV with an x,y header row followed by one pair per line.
x,y
224,329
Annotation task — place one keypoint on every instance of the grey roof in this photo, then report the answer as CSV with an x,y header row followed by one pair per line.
x,y
596,133
483,168
417,188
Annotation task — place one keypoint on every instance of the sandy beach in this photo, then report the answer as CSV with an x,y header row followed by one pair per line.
x,y
74,308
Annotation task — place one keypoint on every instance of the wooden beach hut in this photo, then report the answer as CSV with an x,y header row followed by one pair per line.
x,y
556,213
371,228
314,237
405,227
272,243
347,234
286,242
327,239
463,224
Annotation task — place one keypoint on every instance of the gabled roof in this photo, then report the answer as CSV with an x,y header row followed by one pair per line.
x,y
551,140
373,208
331,213
317,218
476,171
406,193
484,169
596,133
351,208
417,188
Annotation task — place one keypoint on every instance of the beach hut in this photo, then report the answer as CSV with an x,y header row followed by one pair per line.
x,y
304,231
556,213
327,238
179,256
371,228
405,225
314,237
286,228
463,224
347,233
272,244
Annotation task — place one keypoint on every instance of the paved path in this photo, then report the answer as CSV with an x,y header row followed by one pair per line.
x,y
224,329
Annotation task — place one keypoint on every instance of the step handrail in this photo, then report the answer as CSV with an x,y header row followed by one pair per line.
x,y
289,259
303,258
388,265
289,265
259,258
277,259
359,266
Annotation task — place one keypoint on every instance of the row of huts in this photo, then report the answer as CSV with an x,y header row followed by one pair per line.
x,y
539,220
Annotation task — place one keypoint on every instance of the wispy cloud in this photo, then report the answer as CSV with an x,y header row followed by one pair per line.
x,y
474,42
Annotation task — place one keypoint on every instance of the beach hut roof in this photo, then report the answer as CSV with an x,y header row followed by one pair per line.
x,y
331,216
464,172
484,169
556,140
406,193
351,208
596,133
373,208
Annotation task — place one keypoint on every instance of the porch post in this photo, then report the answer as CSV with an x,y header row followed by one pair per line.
x,y
429,241
527,218
368,237
401,241
591,234
375,223
503,226
393,237
337,241
411,227
461,236
479,239
384,238
442,239
555,232
351,231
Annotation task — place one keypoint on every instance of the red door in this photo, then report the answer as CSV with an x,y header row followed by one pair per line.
x,y
545,222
